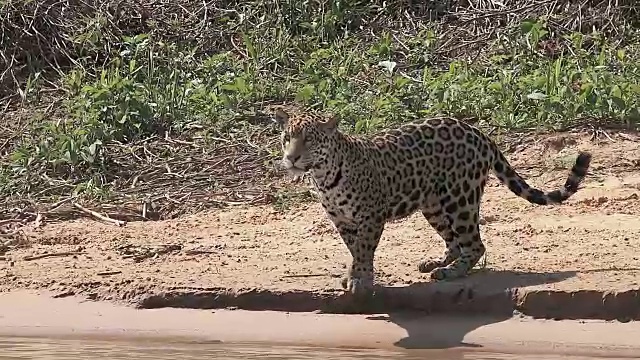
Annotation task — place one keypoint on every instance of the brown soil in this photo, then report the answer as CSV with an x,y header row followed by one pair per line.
x,y
577,260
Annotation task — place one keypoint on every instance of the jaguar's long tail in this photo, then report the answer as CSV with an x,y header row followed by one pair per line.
x,y
519,186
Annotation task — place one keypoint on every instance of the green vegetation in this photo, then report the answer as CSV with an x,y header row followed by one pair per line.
x,y
130,104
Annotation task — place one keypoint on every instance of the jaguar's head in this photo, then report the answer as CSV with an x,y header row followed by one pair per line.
x,y
307,138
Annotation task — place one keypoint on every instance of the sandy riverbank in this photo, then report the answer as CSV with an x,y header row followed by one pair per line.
x,y
579,260
27,314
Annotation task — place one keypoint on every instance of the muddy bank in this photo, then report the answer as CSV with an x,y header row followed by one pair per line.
x,y
462,297
559,305
579,260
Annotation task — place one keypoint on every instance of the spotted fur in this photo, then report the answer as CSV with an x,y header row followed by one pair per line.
x,y
438,166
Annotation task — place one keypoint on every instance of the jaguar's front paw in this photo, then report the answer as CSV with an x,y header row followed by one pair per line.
x,y
449,272
358,286
427,266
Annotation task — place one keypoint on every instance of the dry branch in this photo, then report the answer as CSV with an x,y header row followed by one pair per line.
x,y
48,255
99,216
109,273
211,175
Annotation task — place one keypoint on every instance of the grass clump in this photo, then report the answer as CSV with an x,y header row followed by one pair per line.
x,y
157,105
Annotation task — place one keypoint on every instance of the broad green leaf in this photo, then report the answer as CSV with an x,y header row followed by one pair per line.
x,y
537,96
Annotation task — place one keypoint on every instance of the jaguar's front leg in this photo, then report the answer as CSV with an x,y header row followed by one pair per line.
x,y
362,241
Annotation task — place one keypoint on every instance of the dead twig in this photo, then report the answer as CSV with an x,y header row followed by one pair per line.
x,y
199,252
9,221
304,275
139,253
48,255
99,216
57,204
109,273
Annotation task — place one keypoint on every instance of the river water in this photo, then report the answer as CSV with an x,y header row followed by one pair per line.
x,y
58,349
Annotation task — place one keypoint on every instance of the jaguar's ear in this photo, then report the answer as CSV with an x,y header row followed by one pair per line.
x,y
330,125
281,117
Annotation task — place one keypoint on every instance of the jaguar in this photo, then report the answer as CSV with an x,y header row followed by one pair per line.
x,y
438,166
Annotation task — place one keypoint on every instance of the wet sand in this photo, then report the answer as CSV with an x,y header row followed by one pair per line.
x,y
67,349
26,314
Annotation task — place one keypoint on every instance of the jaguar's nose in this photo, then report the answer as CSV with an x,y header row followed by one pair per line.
x,y
288,161
292,158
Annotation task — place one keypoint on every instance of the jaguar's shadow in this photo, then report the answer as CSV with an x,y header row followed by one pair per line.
x,y
463,305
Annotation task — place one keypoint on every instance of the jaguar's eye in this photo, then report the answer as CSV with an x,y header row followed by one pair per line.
x,y
286,138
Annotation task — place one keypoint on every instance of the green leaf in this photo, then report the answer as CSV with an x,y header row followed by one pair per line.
x,y
251,50
241,85
527,25
388,65
305,93
616,91
93,147
620,103
401,81
360,125
537,96
586,88
229,87
87,157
